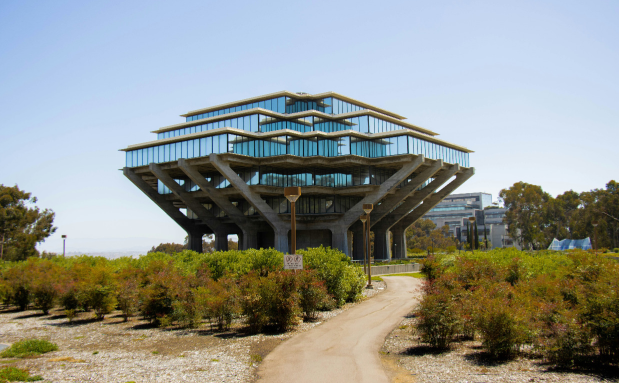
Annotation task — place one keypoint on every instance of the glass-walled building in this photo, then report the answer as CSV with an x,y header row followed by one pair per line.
x,y
336,148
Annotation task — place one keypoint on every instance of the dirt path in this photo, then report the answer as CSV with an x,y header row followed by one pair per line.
x,y
344,349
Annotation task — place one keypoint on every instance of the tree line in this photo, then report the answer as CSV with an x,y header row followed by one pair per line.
x,y
534,217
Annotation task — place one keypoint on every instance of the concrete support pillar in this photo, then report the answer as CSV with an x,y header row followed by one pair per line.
x,y
357,240
221,242
281,241
399,243
381,244
339,239
194,241
280,228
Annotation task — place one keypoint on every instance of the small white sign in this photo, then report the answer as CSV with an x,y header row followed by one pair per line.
x,y
293,262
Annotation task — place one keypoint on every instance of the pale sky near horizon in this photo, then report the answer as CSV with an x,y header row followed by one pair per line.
x,y
530,86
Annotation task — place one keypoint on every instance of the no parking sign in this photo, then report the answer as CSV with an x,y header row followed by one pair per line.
x,y
293,262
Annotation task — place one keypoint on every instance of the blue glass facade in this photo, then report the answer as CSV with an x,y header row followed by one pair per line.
x,y
286,105
305,147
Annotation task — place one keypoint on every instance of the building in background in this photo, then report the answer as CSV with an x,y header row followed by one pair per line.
x,y
223,172
456,209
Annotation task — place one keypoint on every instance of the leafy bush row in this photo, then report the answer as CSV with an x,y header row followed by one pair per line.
x,y
565,306
188,287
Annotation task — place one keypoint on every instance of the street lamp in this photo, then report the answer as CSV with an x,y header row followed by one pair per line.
x,y
292,194
364,218
64,239
367,208
595,234
472,220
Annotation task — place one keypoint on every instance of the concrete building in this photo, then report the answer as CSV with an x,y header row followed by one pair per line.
x,y
455,210
223,172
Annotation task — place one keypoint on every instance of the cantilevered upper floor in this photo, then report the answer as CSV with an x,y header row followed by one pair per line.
x,y
286,123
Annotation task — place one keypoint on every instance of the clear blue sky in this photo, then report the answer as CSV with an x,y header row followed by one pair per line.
x,y
531,86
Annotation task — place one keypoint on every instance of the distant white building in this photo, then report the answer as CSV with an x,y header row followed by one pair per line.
x,y
455,210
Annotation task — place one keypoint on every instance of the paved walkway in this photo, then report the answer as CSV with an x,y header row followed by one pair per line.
x,y
345,348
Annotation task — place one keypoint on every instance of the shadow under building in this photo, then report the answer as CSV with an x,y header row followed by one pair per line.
x,y
223,171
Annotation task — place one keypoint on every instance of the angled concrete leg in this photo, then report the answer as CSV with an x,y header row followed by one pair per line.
x,y
339,239
381,244
194,241
399,243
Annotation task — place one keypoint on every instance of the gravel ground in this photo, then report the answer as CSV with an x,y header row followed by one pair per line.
x,y
115,351
411,362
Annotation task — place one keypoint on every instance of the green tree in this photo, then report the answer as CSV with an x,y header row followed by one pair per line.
x,y
168,248
424,234
526,217
22,225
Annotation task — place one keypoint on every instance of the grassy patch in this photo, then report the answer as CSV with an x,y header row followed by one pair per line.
x,y
12,374
414,275
28,347
67,359
377,278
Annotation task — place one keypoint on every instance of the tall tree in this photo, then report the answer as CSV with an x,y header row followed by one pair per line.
x,y
22,225
526,216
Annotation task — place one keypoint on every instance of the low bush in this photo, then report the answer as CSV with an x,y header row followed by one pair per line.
x,y
343,280
437,318
219,301
565,304
29,347
313,294
14,374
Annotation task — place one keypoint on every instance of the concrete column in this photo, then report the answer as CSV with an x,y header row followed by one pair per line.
x,y
281,240
221,242
399,243
339,239
280,228
249,230
194,241
433,200
352,215
381,244
357,240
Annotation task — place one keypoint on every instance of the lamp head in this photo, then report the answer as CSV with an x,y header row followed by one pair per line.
x,y
595,223
292,193
63,236
472,219
363,218
368,207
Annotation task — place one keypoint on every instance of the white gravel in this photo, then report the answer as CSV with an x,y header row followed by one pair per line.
x,y
117,352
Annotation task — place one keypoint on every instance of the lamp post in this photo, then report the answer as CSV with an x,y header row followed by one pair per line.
x,y
472,220
293,194
64,239
364,218
595,235
367,208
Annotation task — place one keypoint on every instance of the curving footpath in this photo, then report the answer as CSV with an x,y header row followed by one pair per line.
x,y
345,348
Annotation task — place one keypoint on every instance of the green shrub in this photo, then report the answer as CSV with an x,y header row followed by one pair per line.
x,y
313,294
343,280
501,320
218,301
437,318
29,347
253,306
14,374
127,291
279,292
